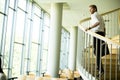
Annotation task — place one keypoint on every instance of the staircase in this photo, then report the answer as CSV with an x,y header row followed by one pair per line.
x,y
87,60
110,64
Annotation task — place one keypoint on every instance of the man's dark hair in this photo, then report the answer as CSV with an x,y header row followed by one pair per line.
x,y
93,6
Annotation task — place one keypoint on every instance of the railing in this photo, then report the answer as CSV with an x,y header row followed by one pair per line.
x,y
87,65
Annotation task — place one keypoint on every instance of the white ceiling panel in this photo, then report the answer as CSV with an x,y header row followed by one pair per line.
x,y
75,10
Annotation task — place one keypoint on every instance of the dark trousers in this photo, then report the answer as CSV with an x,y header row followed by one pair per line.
x,y
1,71
97,45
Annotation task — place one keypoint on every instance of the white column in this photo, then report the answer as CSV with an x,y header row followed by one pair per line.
x,y
55,39
73,48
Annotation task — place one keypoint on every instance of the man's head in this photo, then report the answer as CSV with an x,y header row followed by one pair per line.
x,y
93,8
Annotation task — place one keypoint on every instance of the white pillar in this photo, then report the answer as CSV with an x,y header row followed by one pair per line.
x,y
73,48
55,39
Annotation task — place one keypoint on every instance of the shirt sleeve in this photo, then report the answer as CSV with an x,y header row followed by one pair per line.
x,y
94,18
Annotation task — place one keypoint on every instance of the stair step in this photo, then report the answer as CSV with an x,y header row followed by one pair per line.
x,y
115,71
112,51
113,67
107,72
110,77
107,61
107,56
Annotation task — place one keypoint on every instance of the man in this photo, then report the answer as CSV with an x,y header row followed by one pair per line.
x,y
97,26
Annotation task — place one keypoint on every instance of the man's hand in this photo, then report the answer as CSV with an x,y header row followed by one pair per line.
x,y
87,29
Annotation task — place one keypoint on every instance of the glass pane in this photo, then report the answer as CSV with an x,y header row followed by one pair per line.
x,y
46,20
46,31
29,10
36,27
12,2
44,60
45,43
16,60
2,5
8,37
45,37
22,4
19,26
37,11
27,42
64,49
34,53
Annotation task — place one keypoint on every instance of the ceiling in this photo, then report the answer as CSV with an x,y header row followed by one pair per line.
x,y
75,10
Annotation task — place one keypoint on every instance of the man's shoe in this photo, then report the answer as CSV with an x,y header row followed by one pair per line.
x,y
100,74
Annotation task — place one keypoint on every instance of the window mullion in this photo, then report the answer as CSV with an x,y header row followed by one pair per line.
x,y
11,50
30,42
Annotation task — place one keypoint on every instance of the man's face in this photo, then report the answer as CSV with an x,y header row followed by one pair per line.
x,y
92,10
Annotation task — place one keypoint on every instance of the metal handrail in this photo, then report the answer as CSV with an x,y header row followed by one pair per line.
x,y
96,35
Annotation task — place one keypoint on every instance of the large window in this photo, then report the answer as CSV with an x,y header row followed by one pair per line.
x,y
24,34
65,39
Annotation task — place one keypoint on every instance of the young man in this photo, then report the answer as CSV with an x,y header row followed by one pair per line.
x,y
97,26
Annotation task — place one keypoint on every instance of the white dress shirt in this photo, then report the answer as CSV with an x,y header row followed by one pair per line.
x,y
95,17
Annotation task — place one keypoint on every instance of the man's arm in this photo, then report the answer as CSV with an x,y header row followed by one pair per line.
x,y
96,24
